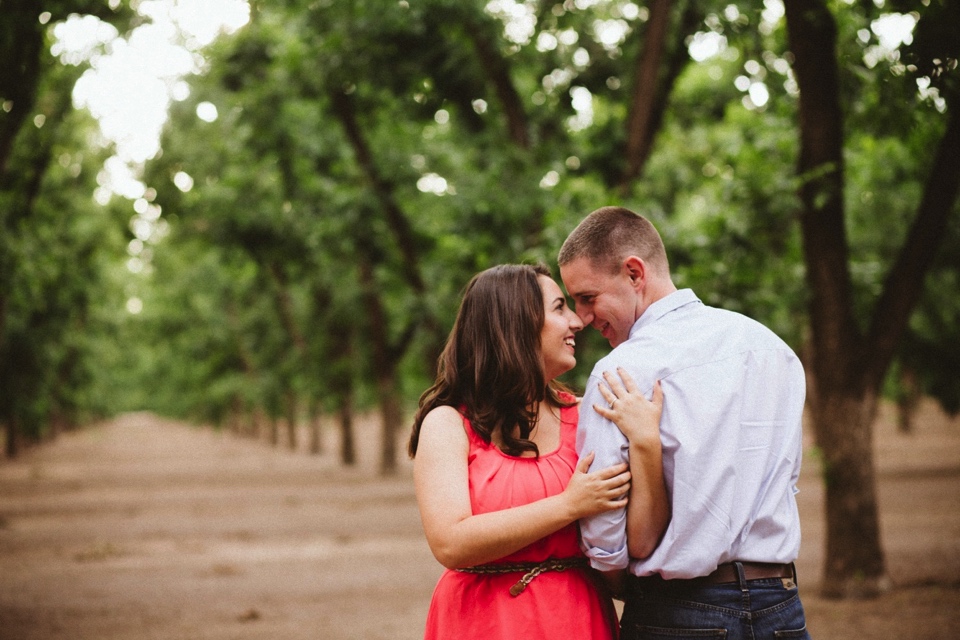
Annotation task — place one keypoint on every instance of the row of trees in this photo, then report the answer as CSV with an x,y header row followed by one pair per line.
x,y
341,169
60,253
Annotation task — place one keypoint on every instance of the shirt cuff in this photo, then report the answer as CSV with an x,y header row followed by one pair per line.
x,y
603,560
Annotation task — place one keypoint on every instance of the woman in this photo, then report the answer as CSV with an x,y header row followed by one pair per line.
x,y
497,478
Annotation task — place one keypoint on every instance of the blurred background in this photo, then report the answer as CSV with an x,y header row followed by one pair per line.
x,y
259,216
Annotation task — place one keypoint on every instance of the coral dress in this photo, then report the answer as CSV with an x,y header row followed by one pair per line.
x,y
555,604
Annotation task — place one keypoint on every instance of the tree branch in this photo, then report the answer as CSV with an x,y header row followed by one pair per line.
x,y
498,73
904,283
645,90
344,108
285,306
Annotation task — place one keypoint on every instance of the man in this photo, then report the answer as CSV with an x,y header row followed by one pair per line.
x,y
731,440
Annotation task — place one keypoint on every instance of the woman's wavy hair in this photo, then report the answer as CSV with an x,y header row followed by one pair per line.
x,y
491,368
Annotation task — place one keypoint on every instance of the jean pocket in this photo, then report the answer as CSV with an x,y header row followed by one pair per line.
x,y
642,632
792,633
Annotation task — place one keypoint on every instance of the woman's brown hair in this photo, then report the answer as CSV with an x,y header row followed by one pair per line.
x,y
491,368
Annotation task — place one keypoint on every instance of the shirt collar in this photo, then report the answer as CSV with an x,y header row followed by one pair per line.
x,y
663,306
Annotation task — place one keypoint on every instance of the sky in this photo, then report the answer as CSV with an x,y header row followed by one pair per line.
x,y
133,79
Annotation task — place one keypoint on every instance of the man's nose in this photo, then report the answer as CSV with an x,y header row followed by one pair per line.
x,y
576,324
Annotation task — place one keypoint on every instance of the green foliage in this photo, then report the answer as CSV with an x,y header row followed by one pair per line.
x,y
281,178
57,250
369,157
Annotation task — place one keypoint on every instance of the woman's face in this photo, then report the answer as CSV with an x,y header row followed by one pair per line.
x,y
560,324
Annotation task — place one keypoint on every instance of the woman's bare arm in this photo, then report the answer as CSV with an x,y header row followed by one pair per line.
x,y
457,537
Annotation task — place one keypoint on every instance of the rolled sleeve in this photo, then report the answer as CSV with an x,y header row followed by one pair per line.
x,y
603,536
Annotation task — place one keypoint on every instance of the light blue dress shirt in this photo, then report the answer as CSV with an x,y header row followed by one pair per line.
x,y
731,435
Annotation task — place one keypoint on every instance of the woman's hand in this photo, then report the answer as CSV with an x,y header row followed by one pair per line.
x,y
590,493
636,417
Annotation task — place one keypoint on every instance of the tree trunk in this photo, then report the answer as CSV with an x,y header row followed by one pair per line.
x,y
315,422
384,365
348,450
340,372
908,397
274,430
250,423
390,420
291,405
316,435
11,449
20,73
854,562
235,420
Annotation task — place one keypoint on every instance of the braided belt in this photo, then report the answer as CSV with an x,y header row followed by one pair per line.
x,y
530,569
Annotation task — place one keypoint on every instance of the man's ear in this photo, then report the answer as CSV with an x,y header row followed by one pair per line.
x,y
636,270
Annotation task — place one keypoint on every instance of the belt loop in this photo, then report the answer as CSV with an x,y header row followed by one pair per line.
x,y
744,588
741,577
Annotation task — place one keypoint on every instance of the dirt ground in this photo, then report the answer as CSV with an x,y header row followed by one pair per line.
x,y
142,528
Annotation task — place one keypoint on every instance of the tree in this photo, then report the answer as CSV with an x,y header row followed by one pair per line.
x,y
368,157
849,364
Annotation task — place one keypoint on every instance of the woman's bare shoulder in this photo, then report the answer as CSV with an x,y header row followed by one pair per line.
x,y
444,414
443,421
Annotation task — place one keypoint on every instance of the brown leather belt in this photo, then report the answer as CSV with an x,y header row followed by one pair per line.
x,y
727,572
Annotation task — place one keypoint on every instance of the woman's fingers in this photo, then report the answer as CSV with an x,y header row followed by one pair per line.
x,y
621,480
604,412
628,382
614,383
658,394
614,471
607,394
622,387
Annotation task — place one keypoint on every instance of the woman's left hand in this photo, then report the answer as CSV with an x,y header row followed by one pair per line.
x,y
636,417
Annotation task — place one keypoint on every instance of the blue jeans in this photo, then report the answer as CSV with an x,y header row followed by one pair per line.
x,y
765,609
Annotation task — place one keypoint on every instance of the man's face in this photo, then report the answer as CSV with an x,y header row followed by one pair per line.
x,y
605,300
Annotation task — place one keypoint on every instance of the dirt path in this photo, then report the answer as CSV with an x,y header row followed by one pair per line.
x,y
142,528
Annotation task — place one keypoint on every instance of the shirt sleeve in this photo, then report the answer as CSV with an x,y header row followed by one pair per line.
x,y
603,536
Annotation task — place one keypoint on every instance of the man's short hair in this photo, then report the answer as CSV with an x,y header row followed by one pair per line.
x,y
609,235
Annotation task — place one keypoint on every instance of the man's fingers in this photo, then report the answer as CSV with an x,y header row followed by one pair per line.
x,y
583,465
